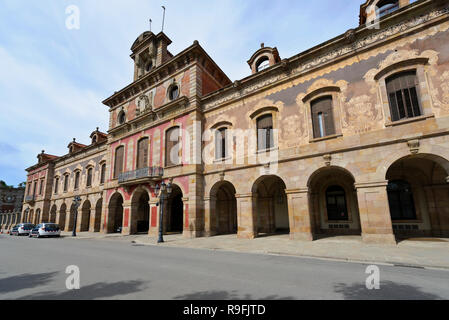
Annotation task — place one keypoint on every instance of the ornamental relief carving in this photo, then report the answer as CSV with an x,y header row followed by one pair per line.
x,y
361,115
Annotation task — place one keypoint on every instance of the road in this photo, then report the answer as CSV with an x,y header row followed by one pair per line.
x,y
35,269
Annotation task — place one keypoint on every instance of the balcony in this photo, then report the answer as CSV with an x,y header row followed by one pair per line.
x,y
140,176
30,199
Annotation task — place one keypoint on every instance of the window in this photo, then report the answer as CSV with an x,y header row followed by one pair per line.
x,y
322,117
41,186
34,188
122,117
262,64
173,92
94,140
386,7
172,147
142,153
149,66
336,204
265,132
103,173
66,183
220,143
403,95
89,177
56,185
400,198
77,180
118,163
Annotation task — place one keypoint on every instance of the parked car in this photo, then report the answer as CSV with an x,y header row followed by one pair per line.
x,y
46,230
22,229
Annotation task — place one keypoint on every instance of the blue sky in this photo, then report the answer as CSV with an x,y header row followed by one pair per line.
x,y
53,79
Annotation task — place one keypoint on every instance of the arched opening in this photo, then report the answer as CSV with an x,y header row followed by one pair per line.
x,y
271,207
175,211
115,214
31,217
263,63
386,6
223,209
97,221
53,212
37,217
85,217
418,196
71,222
62,216
333,203
140,212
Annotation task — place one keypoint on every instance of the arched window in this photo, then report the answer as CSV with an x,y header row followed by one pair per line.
x,y
77,180
403,95
173,92
66,183
56,185
323,117
265,132
122,117
103,173
386,7
118,161
221,143
400,198
149,66
142,153
94,139
337,209
172,147
89,177
262,64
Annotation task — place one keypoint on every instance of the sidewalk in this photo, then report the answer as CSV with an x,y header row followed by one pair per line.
x,y
430,253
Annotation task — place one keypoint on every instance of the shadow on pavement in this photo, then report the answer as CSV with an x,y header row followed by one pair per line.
x,y
388,291
94,291
225,295
25,281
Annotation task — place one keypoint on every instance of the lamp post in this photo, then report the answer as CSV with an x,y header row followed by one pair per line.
x,y
164,191
76,203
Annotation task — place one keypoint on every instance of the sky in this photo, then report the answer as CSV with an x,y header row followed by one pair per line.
x,y
53,78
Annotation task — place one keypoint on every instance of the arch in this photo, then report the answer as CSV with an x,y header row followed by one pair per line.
x,y
98,210
418,195
115,213
333,202
174,220
62,216
53,214
37,217
71,221
271,207
85,216
140,211
223,209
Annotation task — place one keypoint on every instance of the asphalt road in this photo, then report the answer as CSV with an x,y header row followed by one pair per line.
x,y
35,269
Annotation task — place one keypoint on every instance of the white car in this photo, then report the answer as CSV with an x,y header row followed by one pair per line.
x,y
21,229
46,230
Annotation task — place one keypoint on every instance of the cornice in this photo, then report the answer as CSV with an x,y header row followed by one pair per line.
x,y
331,51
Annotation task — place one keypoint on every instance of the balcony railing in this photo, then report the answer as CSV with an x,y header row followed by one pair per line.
x,y
150,173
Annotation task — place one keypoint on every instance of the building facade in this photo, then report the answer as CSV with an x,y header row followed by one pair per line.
x,y
349,137
11,200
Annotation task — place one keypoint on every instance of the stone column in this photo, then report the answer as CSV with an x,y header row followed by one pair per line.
x,y
154,218
374,209
299,213
126,222
92,219
210,216
246,217
79,218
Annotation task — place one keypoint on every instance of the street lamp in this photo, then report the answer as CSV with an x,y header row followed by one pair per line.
x,y
165,191
76,203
